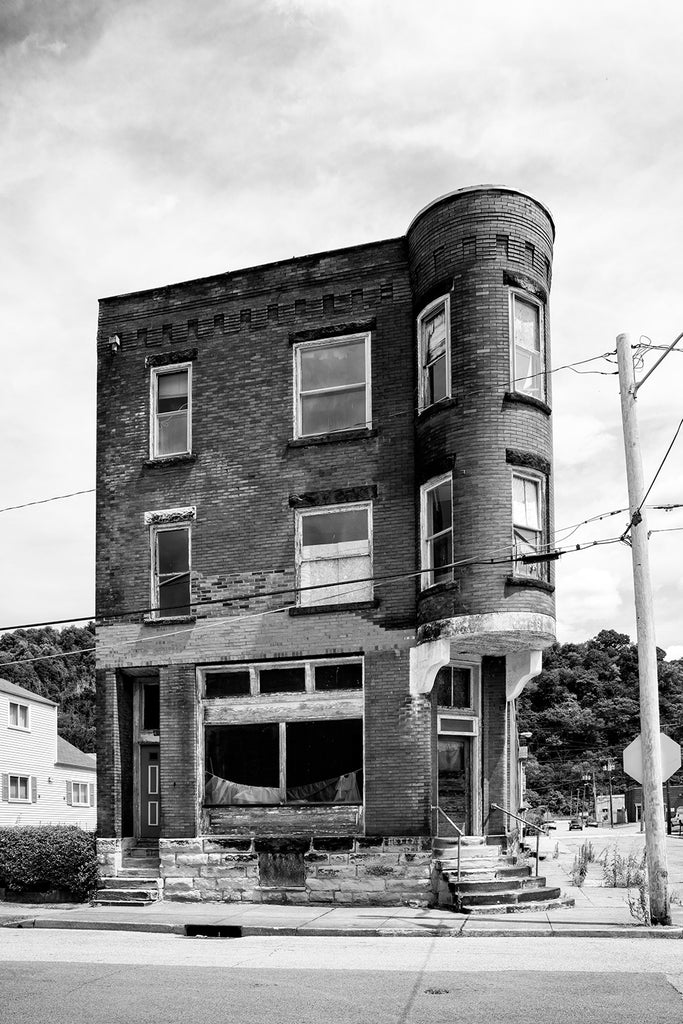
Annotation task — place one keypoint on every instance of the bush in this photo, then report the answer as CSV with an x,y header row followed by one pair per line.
x,y
44,857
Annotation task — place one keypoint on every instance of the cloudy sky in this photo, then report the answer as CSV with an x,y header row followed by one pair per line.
x,y
151,141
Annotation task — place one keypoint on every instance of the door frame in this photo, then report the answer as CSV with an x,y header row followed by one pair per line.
x,y
145,746
141,738
471,719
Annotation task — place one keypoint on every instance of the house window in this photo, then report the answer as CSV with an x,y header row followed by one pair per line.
x,y
437,531
171,570
334,549
453,687
434,342
306,762
171,410
332,385
80,794
527,349
20,788
19,716
528,518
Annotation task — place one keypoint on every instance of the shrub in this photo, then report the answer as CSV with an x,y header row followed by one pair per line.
x,y
44,857
624,872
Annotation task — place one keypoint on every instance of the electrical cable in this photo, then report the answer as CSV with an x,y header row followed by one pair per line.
x,y
45,501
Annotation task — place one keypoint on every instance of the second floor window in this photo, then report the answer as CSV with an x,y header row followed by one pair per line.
x,y
334,549
171,571
437,531
433,328
527,349
171,406
528,517
332,381
18,716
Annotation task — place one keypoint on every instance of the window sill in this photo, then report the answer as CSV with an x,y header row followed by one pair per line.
x,y
362,434
170,460
323,609
20,728
529,581
430,410
517,398
167,620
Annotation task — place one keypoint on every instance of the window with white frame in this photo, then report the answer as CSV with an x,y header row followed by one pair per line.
x,y
332,385
171,399
19,716
171,570
20,788
334,554
528,519
527,346
437,531
454,687
434,344
80,794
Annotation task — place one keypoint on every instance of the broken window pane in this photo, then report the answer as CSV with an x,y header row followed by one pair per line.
x,y
346,676
335,527
233,683
325,761
243,764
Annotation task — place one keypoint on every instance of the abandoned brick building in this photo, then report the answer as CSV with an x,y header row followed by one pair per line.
x,y
323,488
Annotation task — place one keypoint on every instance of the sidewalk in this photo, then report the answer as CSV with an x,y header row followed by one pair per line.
x,y
598,912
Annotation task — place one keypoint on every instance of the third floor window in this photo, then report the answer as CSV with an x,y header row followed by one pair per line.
x,y
332,385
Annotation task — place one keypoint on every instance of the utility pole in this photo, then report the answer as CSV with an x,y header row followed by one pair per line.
x,y
609,767
653,803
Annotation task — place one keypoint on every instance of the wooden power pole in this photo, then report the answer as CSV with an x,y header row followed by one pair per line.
x,y
653,802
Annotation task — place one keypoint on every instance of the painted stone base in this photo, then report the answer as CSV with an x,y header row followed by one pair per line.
x,y
343,871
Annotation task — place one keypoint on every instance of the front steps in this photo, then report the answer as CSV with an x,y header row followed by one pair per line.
x,y
490,882
137,883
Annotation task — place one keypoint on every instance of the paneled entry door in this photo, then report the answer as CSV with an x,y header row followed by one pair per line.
x,y
455,782
150,795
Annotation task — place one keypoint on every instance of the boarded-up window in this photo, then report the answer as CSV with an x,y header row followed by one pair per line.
x,y
334,555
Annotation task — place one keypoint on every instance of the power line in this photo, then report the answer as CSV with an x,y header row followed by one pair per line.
x,y
44,501
636,517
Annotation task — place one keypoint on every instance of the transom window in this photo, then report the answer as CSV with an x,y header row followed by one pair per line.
x,y
19,715
20,788
528,518
527,349
433,329
171,570
171,408
334,549
453,687
296,677
437,531
332,385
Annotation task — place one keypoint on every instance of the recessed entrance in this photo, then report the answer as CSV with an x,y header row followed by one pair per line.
x,y
455,782
150,793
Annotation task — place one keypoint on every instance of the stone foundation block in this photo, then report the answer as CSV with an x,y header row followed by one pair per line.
x,y
174,886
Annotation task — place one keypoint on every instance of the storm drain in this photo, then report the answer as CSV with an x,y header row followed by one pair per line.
x,y
214,931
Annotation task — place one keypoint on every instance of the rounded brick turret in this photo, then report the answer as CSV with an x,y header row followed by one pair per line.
x,y
480,262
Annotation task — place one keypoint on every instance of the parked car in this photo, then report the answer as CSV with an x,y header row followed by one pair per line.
x,y
591,823
550,824
575,823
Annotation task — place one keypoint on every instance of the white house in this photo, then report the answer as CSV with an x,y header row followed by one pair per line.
x,y
44,779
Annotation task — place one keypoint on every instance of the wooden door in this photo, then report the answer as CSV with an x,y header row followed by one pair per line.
x,y
150,794
455,782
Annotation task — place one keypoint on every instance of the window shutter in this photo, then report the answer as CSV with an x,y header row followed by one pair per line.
x,y
92,794
69,798
5,788
34,789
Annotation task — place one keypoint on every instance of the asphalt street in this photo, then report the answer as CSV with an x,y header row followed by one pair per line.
x,y
70,977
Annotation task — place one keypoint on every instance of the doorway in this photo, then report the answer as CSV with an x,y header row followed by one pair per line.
x,y
455,782
150,794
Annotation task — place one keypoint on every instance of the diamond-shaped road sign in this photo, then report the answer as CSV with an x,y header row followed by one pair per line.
x,y
671,758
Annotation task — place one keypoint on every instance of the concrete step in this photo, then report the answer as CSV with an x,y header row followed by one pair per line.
x,y
131,882
142,853
136,869
503,885
138,896
518,908
506,897
495,873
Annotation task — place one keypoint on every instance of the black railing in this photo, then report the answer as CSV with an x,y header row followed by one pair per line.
x,y
529,824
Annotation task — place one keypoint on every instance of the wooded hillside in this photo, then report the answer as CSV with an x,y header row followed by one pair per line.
x,y
69,681
584,707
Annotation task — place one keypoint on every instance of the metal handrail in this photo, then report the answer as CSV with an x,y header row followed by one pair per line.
x,y
435,807
529,824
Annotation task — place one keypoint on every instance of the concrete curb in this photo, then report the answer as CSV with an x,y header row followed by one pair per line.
x,y
426,931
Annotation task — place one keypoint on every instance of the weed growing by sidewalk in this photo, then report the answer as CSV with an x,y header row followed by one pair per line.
x,y
584,857
623,872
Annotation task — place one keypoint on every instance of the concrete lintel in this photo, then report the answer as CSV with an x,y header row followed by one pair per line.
x,y
425,662
519,669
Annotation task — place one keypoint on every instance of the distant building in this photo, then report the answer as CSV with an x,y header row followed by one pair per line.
x,y
324,498
44,779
